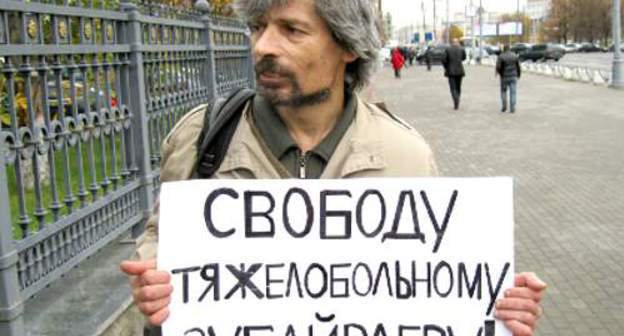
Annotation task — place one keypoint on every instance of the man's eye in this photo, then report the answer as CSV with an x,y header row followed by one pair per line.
x,y
254,27
293,30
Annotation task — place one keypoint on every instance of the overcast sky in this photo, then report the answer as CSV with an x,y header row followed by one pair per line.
x,y
406,12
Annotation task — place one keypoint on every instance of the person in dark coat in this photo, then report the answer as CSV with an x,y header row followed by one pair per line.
x,y
509,70
454,69
428,57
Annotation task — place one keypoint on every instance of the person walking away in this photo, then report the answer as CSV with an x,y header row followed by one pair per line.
x,y
405,55
428,57
454,69
397,62
509,70
412,53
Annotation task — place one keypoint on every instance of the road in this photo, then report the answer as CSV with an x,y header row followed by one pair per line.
x,y
563,148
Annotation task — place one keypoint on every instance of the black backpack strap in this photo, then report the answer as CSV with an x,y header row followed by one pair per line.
x,y
222,117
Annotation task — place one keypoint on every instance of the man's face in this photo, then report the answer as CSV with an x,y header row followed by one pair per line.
x,y
297,61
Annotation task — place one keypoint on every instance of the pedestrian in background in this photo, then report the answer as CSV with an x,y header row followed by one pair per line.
x,y
405,54
509,70
397,62
428,57
454,69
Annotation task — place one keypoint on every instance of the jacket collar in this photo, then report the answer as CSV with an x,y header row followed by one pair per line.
x,y
359,150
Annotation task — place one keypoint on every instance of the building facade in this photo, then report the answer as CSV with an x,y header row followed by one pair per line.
x,y
537,11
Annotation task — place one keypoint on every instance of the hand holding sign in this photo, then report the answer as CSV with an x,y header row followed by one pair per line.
x,y
520,308
151,289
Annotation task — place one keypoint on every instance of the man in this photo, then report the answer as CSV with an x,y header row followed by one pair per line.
x,y
454,69
509,70
428,56
307,121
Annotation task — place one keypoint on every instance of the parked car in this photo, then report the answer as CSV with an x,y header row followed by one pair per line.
x,y
436,53
543,52
572,47
520,48
492,50
590,47
612,48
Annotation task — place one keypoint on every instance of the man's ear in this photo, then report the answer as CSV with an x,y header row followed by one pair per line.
x,y
348,57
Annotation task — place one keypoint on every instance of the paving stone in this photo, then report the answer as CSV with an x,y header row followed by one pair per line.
x,y
563,147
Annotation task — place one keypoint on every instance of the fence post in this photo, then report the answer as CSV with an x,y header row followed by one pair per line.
x,y
210,73
137,104
250,64
11,305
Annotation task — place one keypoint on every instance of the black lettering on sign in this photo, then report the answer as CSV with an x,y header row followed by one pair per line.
x,y
359,211
380,330
490,328
369,276
323,288
493,290
403,285
293,276
212,279
325,319
439,230
334,280
361,330
309,212
404,328
194,332
290,331
431,328
383,268
247,330
324,214
185,280
270,281
394,234
211,331
473,287
443,265
244,280
416,279
250,214
208,212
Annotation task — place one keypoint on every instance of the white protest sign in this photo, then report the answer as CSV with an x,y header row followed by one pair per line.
x,y
354,257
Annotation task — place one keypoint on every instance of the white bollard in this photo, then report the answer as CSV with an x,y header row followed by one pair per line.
x,y
598,79
568,74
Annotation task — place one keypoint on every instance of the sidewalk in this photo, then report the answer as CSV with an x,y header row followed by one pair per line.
x,y
563,146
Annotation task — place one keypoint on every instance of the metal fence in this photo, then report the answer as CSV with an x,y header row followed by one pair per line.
x,y
89,88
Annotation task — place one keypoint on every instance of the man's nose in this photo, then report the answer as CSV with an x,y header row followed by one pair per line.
x,y
267,43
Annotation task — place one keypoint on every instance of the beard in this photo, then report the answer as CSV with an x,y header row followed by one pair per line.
x,y
296,98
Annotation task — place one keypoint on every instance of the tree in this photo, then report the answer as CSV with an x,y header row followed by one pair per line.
x,y
579,20
222,7
219,7
455,33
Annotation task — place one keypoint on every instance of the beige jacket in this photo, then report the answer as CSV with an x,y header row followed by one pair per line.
x,y
375,145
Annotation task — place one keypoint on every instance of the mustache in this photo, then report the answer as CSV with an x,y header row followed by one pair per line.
x,y
269,64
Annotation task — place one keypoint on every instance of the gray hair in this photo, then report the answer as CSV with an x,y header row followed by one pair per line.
x,y
351,23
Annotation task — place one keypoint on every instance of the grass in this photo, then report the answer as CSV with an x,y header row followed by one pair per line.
x,y
62,191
